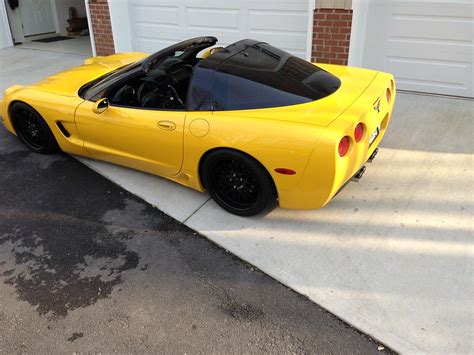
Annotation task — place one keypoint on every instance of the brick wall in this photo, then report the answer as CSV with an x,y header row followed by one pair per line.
x,y
331,35
102,29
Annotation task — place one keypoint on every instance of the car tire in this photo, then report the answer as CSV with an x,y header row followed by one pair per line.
x,y
32,129
237,182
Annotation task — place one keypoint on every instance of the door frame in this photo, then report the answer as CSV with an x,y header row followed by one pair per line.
x,y
55,19
359,25
6,24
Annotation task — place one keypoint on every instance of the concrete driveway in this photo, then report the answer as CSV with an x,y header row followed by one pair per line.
x,y
87,267
391,255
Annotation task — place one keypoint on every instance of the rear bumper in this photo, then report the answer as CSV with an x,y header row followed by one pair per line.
x,y
327,173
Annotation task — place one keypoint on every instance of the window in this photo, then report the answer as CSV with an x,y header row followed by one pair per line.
x,y
262,76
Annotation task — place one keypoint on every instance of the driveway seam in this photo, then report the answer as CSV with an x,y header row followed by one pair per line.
x,y
192,214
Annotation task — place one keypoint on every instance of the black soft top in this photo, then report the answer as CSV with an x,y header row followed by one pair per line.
x,y
251,74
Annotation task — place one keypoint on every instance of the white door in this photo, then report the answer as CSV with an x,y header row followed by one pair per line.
x,y
37,17
5,36
156,24
427,45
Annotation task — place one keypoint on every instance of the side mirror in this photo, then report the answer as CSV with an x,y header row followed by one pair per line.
x,y
100,106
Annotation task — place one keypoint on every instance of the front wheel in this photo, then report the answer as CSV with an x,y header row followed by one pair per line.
x,y
32,129
237,183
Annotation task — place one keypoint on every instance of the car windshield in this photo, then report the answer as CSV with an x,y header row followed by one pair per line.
x,y
97,86
186,50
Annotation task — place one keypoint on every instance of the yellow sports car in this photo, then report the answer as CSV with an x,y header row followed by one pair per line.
x,y
250,123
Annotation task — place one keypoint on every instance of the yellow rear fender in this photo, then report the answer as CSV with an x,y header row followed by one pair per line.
x,y
274,144
327,171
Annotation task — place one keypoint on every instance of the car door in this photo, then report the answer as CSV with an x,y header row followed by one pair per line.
x,y
144,139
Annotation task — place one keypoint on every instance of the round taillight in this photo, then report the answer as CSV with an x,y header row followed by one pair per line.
x,y
389,95
359,132
344,146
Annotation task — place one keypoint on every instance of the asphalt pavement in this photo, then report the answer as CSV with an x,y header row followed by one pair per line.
x,y
86,266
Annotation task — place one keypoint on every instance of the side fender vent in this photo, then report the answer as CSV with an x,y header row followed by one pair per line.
x,y
63,129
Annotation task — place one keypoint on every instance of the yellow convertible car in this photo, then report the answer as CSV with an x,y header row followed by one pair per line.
x,y
249,123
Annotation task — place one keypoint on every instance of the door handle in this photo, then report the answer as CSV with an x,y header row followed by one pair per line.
x,y
167,125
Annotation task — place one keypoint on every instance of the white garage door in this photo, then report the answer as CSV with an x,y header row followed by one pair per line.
x,y
428,45
156,24
5,37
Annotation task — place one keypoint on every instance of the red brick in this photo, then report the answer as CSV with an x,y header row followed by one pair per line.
x,y
337,49
343,43
346,30
101,27
329,55
333,16
340,23
338,36
323,35
331,35
322,49
324,23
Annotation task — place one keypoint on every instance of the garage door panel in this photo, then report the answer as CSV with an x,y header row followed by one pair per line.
x,y
288,21
419,73
428,46
421,27
429,50
209,18
150,14
157,24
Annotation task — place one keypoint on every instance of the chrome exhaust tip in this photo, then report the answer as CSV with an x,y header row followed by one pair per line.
x,y
373,155
359,174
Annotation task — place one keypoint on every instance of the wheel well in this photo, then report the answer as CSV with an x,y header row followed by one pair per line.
x,y
206,154
10,108
10,112
19,102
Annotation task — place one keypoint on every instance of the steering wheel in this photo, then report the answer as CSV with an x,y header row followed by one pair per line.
x,y
125,96
145,87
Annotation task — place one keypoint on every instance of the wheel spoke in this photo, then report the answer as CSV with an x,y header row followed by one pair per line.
x,y
30,128
235,184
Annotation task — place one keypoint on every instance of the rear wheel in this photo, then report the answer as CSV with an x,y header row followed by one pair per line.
x,y
32,129
238,183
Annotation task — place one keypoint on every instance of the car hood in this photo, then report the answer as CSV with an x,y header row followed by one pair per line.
x,y
68,82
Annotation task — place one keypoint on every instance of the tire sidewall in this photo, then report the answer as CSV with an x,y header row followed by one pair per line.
x,y
50,146
266,187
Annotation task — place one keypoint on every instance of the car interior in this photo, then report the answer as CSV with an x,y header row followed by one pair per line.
x,y
164,86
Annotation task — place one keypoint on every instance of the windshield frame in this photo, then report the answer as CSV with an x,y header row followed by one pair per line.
x,y
98,88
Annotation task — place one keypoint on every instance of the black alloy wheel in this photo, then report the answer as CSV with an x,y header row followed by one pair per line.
x,y
32,129
238,183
